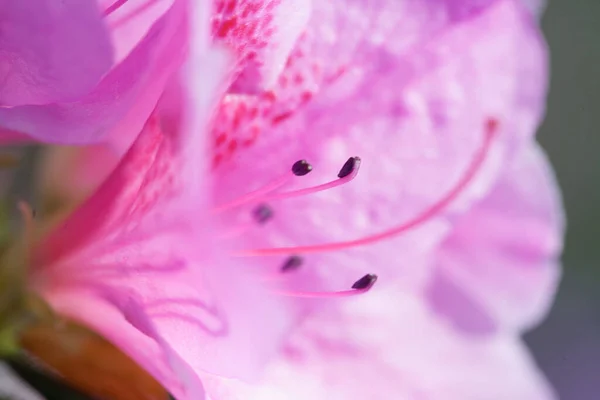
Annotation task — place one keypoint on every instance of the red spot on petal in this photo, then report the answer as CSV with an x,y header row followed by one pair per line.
x,y
491,125
306,96
269,96
226,26
222,138
232,146
217,160
281,117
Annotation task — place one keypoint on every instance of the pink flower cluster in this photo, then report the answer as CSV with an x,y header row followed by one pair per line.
x,y
275,159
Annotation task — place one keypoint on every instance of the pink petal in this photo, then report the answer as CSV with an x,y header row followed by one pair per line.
x,y
51,51
118,107
414,110
128,328
502,258
387,345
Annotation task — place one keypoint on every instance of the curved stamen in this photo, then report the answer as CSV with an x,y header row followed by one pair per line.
x,y
300,168
254,195
260,215
113,7
361,286
424,216
347,173
142,8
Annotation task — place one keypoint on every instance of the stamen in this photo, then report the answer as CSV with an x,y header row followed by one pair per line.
x,y
361,286
291,264
347,173
349,167
142,8
366,282
255,195
424,216
262,214
113,7
300,168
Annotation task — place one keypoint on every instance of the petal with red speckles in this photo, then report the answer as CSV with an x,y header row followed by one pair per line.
x,y
415,111
261,34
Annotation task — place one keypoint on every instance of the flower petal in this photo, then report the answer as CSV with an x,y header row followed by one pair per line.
x,y
387,345
502,258
119,106
51,51
126,325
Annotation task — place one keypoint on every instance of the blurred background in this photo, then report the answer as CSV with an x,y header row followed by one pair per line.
x,y
567,344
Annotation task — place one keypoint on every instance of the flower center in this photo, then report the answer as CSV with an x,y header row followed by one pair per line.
x,y
270,192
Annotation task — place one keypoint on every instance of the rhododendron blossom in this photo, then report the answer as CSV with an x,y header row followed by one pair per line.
x,y
331,200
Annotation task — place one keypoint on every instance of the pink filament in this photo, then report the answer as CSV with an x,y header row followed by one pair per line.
x,y
238,231
134,13
256,195
114,7
424,216
322,295
314,189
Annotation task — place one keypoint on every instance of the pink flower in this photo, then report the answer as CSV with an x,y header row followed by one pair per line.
x,y
85,71
454,209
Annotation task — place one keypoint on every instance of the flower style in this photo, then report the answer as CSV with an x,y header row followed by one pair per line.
x,y
214,256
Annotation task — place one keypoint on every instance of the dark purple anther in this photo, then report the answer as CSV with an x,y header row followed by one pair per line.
x,y
262,213
291,264
365,283
349,167
301,168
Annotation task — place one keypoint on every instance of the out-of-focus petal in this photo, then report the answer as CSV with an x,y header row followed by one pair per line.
x,y
500,264
118,107
537,7
415,111
386,345
51,51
